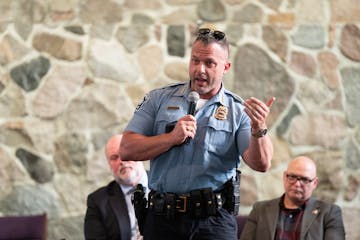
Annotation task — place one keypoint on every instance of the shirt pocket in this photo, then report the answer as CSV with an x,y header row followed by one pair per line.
x,y
219,136
166,120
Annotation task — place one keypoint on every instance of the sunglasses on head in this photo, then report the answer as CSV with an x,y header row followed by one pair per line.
x,y
218,35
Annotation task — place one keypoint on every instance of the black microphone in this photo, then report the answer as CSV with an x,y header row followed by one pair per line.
x,y
193,97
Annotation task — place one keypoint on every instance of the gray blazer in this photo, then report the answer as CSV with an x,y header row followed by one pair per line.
x,y
320,221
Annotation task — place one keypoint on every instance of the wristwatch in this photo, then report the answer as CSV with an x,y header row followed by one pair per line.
x,y
260,133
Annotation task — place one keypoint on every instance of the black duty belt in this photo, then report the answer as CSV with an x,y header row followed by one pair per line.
x,y
198,203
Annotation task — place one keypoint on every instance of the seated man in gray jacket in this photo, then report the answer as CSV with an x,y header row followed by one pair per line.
x,y
295,215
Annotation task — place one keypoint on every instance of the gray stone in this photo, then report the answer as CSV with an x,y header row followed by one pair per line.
x,y
277,41
309,36
248,191
23,28
211,10
39,169
28,75
314,94
352,152
132,37
12,101
42,134
142,19
110,13
177,71
31,200
274,4
351,84
176,40
11,50
284,125
13,135
71,150
257,75
351,219
60,86
350,42
251,13
26,14
330,175
2,87
310,130
352,188
102,31
234,33
154,52
117,65
143,4
66,228
10,172
328,64
6,11
75,29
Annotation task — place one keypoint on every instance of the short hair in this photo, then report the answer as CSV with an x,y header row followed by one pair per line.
x,y
209,38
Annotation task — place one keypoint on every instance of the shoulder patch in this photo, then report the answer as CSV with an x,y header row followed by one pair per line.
x,y
146,97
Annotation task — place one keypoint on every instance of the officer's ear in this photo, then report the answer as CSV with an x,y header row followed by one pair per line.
x,y
227,67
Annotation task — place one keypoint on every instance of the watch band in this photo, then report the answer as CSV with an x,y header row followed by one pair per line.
x,y
260,133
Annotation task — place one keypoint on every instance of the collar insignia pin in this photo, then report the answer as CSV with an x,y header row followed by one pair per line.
x,y
316,211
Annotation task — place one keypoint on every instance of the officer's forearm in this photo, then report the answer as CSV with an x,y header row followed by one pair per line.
x,y
259,154
137,147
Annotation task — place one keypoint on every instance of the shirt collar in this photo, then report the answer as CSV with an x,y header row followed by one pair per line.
x,y
282,206
219,97
127,189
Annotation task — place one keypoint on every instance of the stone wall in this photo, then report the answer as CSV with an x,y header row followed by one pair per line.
x,y
73,71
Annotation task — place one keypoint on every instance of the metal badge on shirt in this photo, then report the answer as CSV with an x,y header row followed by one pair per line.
x,y
221,113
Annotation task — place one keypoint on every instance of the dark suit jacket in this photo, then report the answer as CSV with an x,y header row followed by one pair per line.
x,y
107,215
321,221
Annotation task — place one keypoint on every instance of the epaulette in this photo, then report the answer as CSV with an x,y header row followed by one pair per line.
x,y
173,85
236,97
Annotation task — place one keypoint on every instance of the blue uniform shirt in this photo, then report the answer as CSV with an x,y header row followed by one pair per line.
x,y
210,159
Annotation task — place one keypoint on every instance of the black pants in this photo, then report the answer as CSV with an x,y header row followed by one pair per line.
x,y
222,226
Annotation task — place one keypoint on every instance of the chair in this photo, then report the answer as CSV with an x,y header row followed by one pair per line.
x,y
23,227
241,220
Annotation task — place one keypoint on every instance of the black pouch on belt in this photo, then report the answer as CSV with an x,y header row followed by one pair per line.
x,y
209,204
231,192
159,203
139,201
196,203
170,205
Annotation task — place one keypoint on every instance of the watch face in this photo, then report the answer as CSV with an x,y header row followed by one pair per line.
x,y
263,132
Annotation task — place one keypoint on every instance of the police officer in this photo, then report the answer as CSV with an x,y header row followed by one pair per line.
x,y
187,177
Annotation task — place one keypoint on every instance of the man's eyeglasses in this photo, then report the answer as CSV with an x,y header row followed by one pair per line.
x,y
218,35
303,180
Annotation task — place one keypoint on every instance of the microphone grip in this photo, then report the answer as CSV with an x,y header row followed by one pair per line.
x,y
192,109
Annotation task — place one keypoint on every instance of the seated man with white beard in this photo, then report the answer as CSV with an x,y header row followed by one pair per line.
x,y
110,213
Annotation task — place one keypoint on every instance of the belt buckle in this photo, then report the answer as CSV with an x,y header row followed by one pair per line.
x,y
181,207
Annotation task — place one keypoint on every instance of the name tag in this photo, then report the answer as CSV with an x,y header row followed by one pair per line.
x,y
173,108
